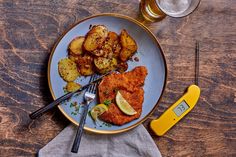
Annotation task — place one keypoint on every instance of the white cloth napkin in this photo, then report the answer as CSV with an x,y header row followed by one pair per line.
x,y
133,143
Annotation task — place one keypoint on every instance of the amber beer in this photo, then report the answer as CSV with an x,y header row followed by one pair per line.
x,y
154,10
150,10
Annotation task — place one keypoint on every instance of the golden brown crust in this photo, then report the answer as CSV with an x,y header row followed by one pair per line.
x,y
116,49
95,38
107,49
101,63
67,69
73,58
85,65
129,84
116,116
104,65
114,43
112,66
128,44
72,86
76,46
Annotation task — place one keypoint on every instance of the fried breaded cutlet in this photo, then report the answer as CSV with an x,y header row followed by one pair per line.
x,y
129,84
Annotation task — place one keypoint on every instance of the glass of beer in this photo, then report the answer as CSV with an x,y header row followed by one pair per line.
x,y
155,10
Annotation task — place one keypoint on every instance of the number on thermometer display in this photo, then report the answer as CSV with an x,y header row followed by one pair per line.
x,y
181,108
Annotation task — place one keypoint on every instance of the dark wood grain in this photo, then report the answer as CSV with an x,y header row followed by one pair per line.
x,y
28,30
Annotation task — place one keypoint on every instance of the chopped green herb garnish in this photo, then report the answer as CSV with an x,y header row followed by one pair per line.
x,y
64,90
89,113
106,124
71,104
73,113
107,102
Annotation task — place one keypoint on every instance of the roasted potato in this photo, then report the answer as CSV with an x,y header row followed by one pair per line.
x,y
76,46
95,38
73,58
125,54
109,44
98,52
101,63
112,66
107,50
107,47
72,86
114,45
112,37
128,44
68,69
116,49
85,65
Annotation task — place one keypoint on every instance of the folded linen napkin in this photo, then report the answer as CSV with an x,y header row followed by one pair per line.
x,y
133,143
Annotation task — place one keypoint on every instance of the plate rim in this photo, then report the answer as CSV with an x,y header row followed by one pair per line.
x,y
93,130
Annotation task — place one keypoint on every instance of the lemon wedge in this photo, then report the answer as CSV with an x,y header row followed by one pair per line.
x,y
124,105
98,110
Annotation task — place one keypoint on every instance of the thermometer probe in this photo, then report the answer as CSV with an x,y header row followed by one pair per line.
x,y
181,107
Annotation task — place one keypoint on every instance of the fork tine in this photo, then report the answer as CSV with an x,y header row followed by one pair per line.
x,y
91,79
93,87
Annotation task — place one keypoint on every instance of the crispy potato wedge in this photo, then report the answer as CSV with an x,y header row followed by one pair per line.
x,y
72,86
76,46
125,54
127,41
128,44
95,38
85,65
68,69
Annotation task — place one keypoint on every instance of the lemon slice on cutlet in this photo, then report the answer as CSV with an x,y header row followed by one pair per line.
x,y
124,106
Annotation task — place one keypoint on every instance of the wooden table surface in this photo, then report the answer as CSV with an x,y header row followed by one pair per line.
x,y
29,29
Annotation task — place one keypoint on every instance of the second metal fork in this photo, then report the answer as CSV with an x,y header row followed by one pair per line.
x,y
89,96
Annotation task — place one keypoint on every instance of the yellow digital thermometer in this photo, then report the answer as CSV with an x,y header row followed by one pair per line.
x,y
177,111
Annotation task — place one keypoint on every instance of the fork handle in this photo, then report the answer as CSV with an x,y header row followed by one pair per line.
x,y
79,132
44,109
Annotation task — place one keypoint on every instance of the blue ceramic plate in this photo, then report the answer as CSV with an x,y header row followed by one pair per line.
x,y
149,54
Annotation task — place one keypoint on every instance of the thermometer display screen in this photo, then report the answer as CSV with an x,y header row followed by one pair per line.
x,y
181,108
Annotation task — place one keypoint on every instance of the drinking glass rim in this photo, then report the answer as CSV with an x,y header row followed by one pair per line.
x,y
177,16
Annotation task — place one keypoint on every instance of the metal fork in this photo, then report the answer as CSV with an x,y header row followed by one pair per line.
x,y
89,96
